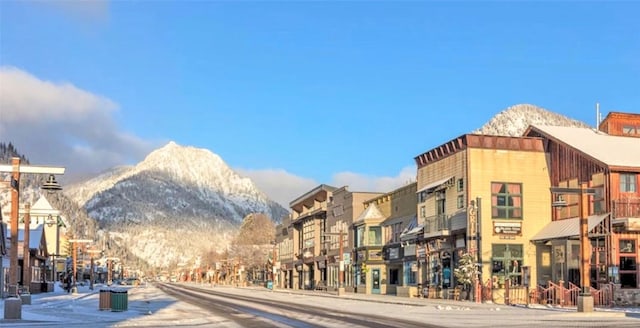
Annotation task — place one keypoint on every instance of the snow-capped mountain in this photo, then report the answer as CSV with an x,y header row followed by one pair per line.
x,y
514,120
178,203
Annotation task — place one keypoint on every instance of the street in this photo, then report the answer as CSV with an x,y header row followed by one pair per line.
x,y
199,305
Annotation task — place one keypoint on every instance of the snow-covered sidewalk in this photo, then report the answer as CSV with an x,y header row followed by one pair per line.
x,y
147,306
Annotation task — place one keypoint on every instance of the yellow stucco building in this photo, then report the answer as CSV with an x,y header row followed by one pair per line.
x,y
485,196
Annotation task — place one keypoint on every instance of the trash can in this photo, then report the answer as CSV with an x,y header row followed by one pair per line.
x,y
105,300
269,284
119,300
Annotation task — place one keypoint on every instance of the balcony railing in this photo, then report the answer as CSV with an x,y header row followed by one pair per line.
x,y
626,208
437,225
309,212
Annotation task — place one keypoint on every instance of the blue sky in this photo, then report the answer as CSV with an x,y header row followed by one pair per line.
x,y
294,94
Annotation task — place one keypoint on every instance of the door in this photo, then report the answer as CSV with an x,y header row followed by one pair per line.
x,y
375,280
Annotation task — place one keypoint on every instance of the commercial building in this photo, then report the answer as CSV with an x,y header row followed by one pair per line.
x,y
486,196
608,164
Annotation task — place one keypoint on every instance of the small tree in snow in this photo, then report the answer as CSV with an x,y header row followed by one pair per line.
x,y
467,270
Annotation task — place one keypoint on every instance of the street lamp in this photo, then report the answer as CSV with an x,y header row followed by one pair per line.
x,y
585,300
341,260
16,169
74,243
273,264
110,262
58,222
91,253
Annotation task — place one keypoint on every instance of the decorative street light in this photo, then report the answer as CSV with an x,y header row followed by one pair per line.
x,y
585,300
74,243
58,222
91,253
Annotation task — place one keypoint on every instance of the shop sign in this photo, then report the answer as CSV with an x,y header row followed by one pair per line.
x,y
347,258
410,250
508,228
393,253
375,255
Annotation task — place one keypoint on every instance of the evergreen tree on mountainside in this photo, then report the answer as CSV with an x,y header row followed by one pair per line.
x,y
8,151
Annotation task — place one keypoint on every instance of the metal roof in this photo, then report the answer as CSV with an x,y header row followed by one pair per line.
x,y
611,150
434,184
566,228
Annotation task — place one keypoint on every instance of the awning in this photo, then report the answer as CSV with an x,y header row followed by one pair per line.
x,y
566,228
434,185
413,233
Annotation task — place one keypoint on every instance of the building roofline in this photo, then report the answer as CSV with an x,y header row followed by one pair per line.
x,y
482,141
308,194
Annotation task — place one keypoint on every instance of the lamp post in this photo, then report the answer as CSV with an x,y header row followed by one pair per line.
x,y
585,300
110,262
91,253
340,261
26,261
74,243
58,223
16,169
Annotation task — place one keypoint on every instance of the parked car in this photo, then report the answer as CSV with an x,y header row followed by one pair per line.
x,y
130,282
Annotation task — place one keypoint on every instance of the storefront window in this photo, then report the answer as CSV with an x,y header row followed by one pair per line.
x,y
628,264
409,273
507,262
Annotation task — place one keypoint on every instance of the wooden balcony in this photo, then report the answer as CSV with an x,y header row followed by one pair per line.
x,y
626,214
626,208
437,226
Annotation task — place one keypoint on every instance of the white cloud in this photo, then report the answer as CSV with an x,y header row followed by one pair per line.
x,y
360,182
60,124
57,123
283,187
279,185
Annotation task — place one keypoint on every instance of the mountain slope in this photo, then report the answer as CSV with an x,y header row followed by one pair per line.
x,y
514,120
182,200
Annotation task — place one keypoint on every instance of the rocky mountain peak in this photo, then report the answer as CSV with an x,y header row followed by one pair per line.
x,y
514,120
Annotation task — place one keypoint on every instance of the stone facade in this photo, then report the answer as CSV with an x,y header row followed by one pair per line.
x,y
626,297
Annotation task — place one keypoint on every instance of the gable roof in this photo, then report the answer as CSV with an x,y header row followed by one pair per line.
x,y
608,149
42,207
371,212
35,236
